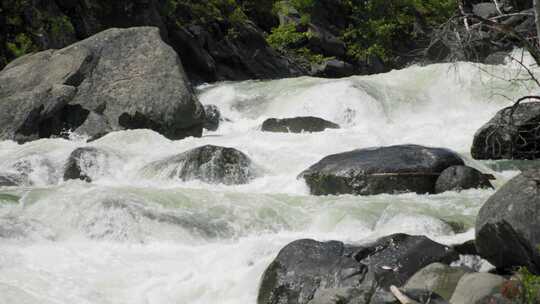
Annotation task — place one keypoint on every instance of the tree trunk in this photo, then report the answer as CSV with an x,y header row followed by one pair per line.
x,y
536,4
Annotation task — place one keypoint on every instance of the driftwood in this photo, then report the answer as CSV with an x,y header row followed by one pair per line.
x,y
401,297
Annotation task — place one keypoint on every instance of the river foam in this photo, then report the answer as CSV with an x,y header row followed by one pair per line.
x,y
131,238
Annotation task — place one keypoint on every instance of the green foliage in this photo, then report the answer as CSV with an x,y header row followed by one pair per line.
x,y
60,25
379,27
286,36
303,6
21,46
531,286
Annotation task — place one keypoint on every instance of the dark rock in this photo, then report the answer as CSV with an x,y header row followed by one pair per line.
x,y
297,125
208,163
86,164
212,53
332,68
458,178
116,80
508,225
324,42
393,169
509,135
213,117
10,180
467,248
304,267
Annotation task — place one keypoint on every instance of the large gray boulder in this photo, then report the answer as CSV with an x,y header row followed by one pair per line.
x,y
508,225
510,134
305,268
472,288
394,169
211,164
438,278
118,79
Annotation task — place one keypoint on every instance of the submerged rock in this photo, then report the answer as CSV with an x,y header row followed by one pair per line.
x,y
458,178
297,125
213,117
508,225
118,79
511,134
211,164
87,164
306,267
394,169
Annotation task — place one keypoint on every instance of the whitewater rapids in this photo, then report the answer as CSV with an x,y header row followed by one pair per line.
x,y
129,238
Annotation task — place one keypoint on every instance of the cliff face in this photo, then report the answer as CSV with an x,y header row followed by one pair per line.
x,y
218,41
246,39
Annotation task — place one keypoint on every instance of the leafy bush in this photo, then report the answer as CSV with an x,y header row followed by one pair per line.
x,y
531,287
286,36
380,27
21,46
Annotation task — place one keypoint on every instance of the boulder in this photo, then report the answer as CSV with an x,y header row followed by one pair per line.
x,y
473,287
297,125
213,117
458,178
508,225
304,267
218,51
393,169
118,79
438,278
211,164
466,248
510,134
87,164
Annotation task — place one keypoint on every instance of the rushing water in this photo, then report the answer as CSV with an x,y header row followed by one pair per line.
x,y
131,238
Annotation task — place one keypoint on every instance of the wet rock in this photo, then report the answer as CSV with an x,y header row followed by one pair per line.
x,y
508,225
118,79
458,178
87,164
297,125
473,287
467,248
304,267
11,180
213,117
509,135
438,278
211,164
393,169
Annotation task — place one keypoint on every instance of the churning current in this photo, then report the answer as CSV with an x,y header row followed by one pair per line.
x,y
139,238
